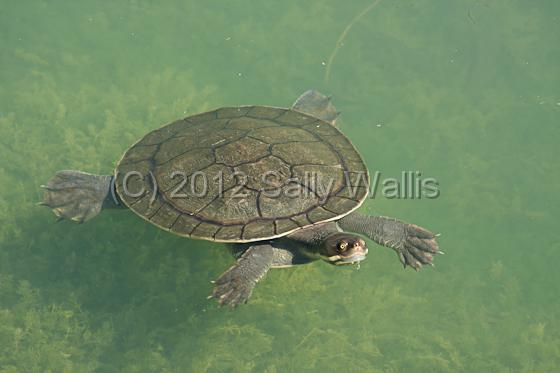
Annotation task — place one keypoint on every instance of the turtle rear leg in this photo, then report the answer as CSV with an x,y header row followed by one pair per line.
x,y
78,196
316,104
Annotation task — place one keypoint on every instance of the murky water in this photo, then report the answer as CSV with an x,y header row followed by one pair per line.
x,y
466,92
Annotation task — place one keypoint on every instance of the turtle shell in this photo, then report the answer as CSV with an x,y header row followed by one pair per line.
x,y
242,174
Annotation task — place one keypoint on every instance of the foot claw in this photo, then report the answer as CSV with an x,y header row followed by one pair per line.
x,y
402,259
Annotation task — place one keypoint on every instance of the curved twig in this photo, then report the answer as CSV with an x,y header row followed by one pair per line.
x,y
343,36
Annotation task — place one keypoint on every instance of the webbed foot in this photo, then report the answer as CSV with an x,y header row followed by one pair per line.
x,y
76,195
231,290
235,285
418,246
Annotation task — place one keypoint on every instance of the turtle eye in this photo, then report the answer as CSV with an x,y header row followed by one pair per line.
x,y
342,246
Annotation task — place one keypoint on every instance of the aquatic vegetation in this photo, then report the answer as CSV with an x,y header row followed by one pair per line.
x,y
36,335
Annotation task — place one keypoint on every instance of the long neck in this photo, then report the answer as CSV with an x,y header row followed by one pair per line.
x,y
311,238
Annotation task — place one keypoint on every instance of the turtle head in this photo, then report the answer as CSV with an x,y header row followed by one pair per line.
x,y
343,248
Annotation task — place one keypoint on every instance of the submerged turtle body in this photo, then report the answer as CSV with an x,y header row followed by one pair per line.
x,y
242,174
280,184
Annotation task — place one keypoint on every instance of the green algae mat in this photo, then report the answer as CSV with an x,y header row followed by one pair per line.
x,y
464,92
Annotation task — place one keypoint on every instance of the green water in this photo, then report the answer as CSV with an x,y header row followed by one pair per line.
x,y
467,92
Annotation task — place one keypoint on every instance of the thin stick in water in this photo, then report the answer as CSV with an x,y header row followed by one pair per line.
x,y
342,36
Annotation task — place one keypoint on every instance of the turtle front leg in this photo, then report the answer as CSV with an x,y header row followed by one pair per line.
x,y
414,245
235,285
78,196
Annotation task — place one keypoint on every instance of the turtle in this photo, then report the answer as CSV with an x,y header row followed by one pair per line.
x,y
279,186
